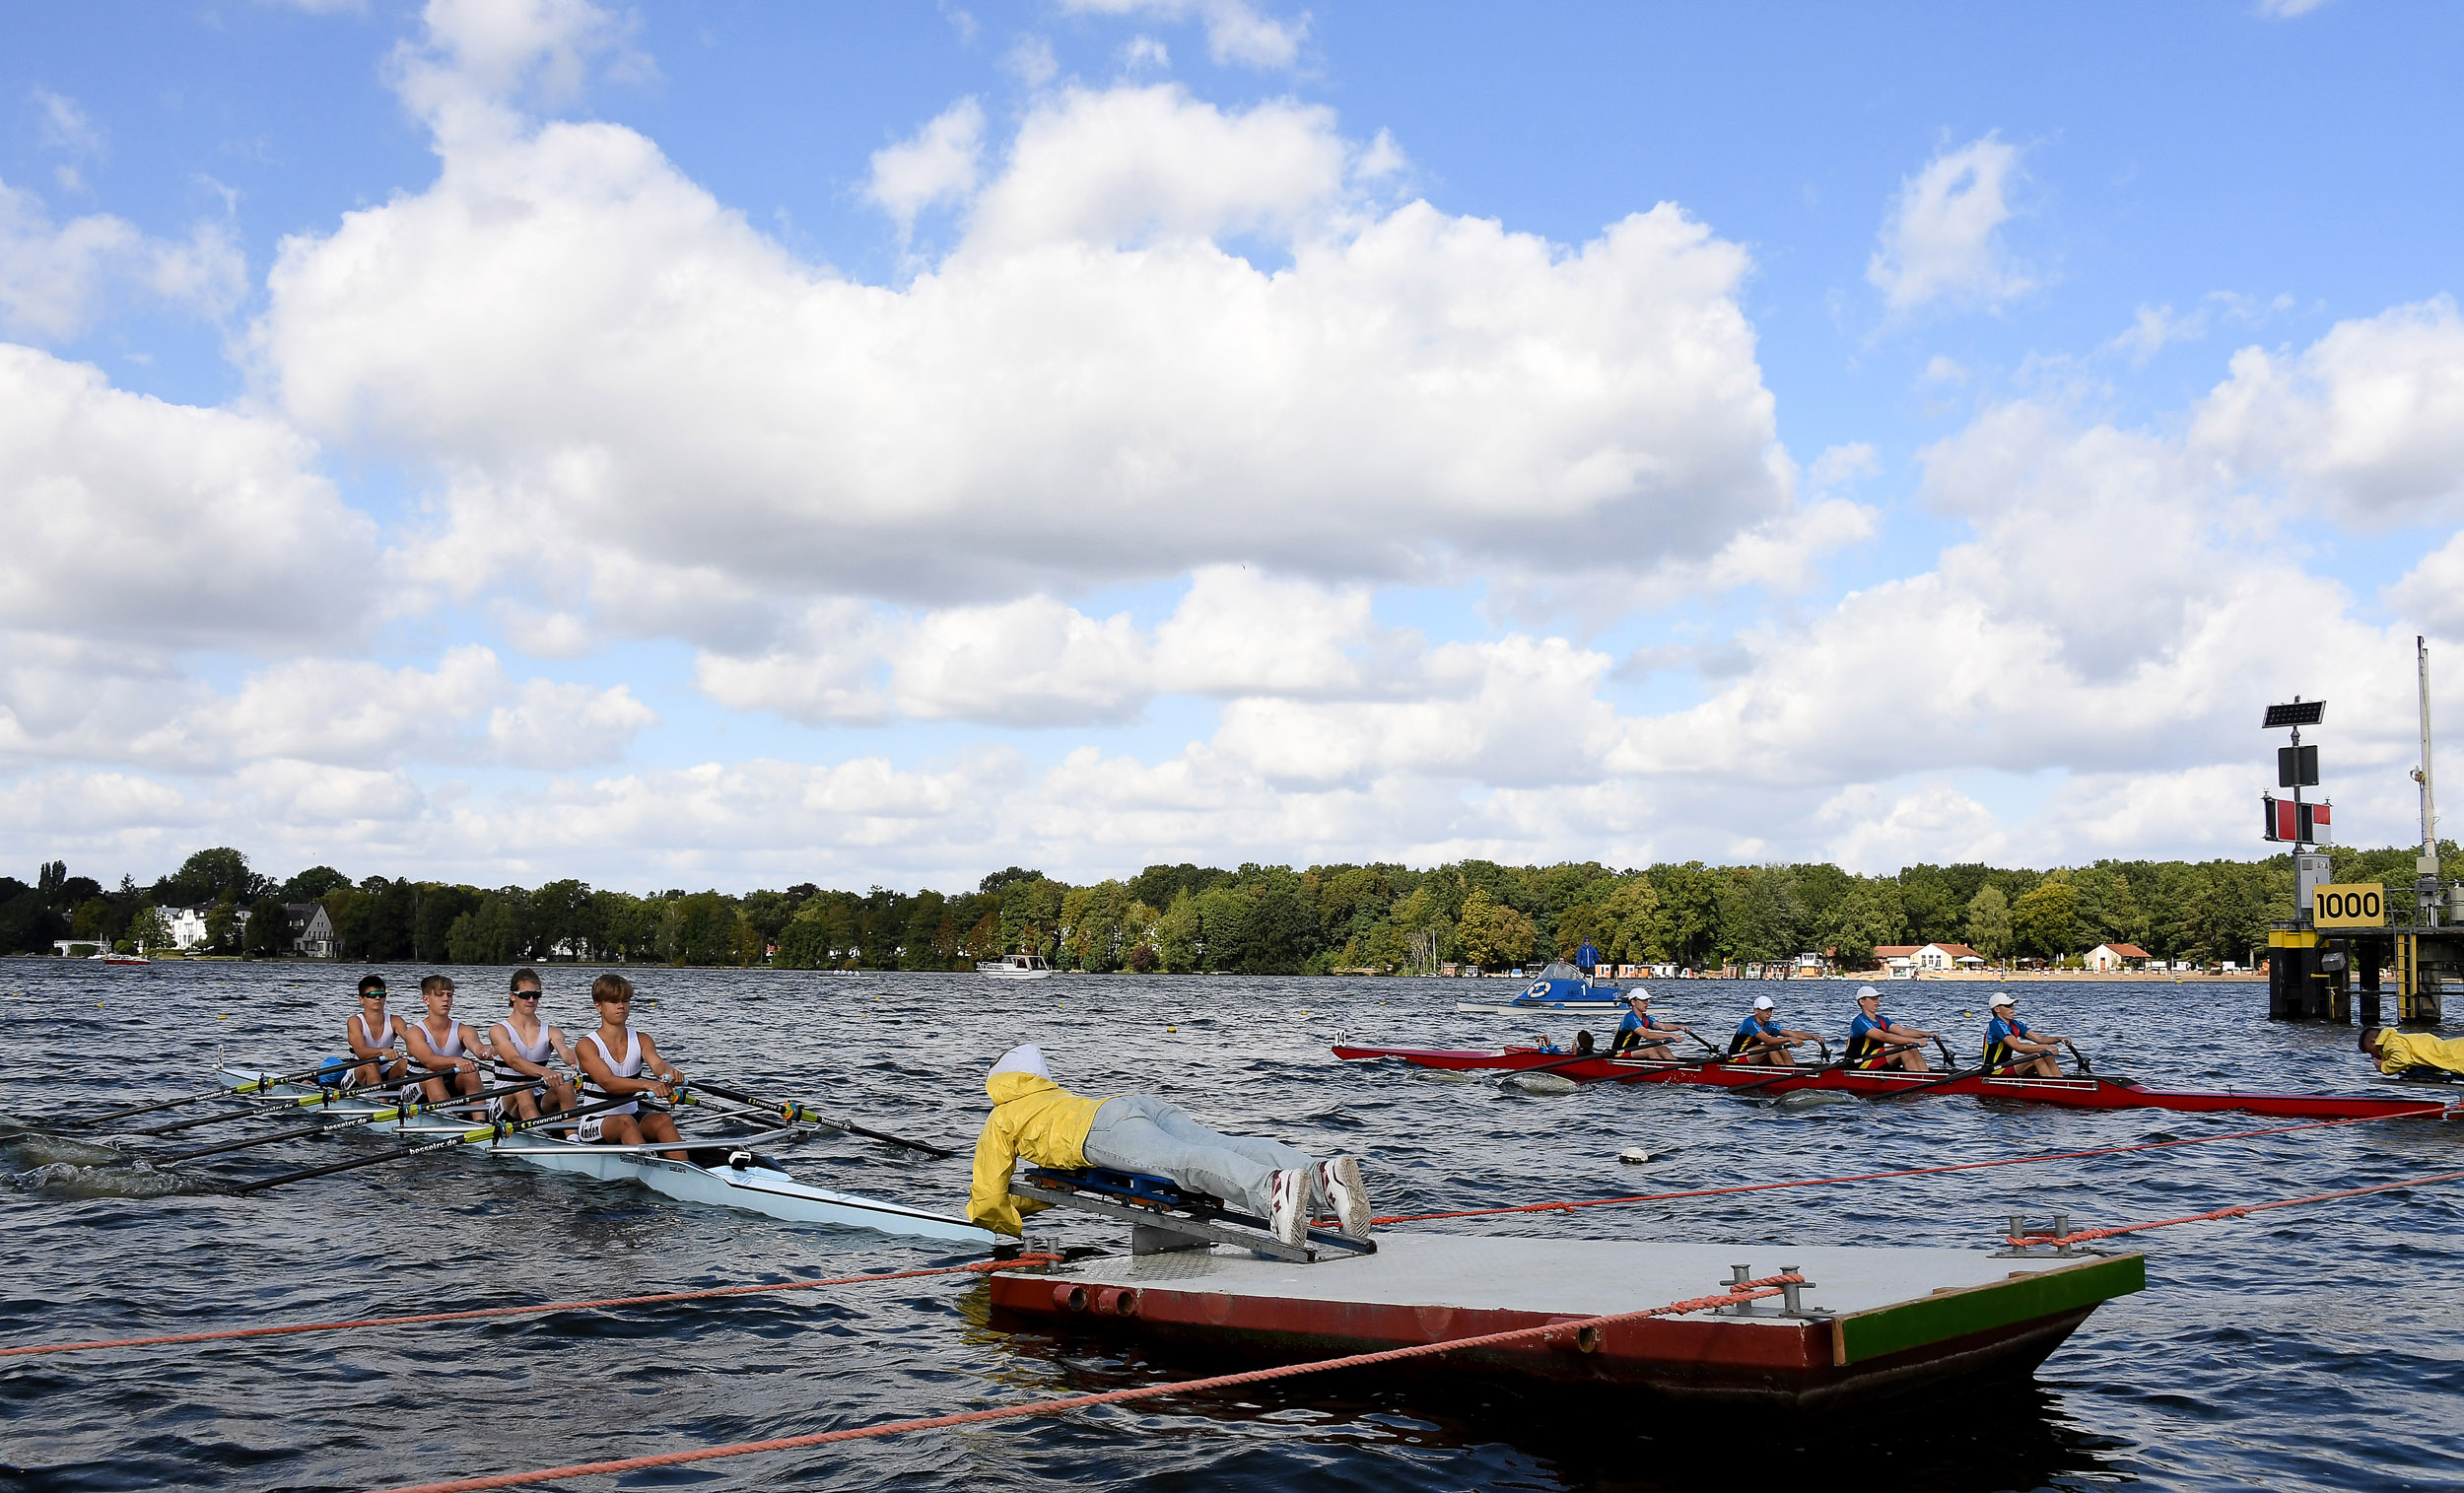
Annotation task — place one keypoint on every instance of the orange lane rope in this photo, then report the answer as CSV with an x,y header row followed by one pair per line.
x,y
980,1267
2083,1235
1753,1290
1816,1182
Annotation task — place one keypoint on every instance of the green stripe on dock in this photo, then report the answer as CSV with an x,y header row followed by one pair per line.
x,y
1981,1309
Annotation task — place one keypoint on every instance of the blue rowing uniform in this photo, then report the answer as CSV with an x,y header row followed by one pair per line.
x,y
1863,1050
1998,1034
1630,1032
1749,1029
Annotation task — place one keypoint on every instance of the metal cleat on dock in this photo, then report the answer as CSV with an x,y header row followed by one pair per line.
x,y
1792,1297
2022,1240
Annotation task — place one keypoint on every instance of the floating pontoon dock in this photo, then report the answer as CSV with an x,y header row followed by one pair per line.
x,y
1872,1322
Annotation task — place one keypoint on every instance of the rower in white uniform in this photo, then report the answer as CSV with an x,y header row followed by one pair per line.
x,y
447,1052
376,1034
617,1060
524,1044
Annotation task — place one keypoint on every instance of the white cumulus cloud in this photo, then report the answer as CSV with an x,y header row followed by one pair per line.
x,y
1943,238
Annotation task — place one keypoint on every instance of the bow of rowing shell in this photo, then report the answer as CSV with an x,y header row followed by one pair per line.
x,y
2079,1092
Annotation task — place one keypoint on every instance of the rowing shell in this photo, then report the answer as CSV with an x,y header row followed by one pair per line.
x,y
2079,1092
726,1174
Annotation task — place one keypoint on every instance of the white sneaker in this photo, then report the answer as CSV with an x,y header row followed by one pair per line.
x,y
1287,1212
1338,1181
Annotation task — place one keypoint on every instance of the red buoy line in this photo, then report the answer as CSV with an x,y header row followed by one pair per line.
x,y
2082,1236
1817,1182
980,1267
1753,1290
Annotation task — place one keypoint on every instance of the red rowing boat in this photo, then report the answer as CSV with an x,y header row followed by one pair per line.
x,y
2083,1091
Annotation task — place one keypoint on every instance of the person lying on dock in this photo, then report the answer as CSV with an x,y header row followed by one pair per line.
x,y
1760,1037
523,1044
447,1052
2397,1052
604,1076
1638,1036
376,1034
2009,1041
1873,1042
1037,1121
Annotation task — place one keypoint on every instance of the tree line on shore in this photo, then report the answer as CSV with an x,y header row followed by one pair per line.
x,y
1189,919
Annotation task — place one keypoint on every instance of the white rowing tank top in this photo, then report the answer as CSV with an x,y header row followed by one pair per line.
x,y
368,1037
452,1046
630,1067
512,1042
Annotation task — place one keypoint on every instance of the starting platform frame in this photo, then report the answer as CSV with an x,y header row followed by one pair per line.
x,y
1164,1217
1875,1321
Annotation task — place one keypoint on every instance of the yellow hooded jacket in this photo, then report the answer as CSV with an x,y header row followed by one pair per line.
x,y
2397,1051
1032,1118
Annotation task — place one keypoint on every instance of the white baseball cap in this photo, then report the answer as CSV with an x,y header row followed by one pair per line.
x,y
1639,994
1868,992
2002,1000
1762,1002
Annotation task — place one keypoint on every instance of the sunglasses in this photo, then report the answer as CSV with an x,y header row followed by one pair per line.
x,y
526,994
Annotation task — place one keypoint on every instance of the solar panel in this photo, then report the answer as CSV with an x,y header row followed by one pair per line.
x,y
2299,712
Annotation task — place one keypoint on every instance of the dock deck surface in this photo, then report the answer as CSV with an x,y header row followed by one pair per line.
x,y
1563,1276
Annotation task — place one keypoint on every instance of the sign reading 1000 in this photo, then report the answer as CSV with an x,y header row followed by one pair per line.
x,y
2353,904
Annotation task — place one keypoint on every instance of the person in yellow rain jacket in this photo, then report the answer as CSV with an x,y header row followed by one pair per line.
x,y
1037,1119
2397,1051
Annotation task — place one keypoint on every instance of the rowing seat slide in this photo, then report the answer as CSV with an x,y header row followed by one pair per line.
x,y
1164,1216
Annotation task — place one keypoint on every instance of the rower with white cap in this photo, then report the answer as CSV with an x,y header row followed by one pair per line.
x,y
1876,1042
1631,1035
1762,1039
2008,1043
1037,1119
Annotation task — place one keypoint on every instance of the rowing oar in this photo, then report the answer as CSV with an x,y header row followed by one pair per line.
x,y
472,1136
2078,1057
797,1111
1986,1070
406,1110
252,1086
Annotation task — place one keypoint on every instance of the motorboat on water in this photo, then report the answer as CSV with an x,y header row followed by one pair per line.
x,y
1016,967
1558,987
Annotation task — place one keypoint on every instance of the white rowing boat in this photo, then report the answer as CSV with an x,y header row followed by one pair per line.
x,y
724,1171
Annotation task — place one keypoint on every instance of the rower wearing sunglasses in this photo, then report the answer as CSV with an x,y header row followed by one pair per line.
x,y
617,1062
376,1035
524,1044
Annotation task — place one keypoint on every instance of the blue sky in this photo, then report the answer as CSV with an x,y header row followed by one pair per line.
x,y
736,444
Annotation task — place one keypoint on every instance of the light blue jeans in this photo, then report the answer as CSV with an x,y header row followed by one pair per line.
x,y
1138,1132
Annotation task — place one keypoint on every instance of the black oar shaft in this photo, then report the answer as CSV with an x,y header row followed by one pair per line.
x,y
473,1137
337,1127
199,1096
792,1109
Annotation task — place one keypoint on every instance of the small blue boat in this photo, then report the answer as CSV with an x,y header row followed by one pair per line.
x,y
1561,986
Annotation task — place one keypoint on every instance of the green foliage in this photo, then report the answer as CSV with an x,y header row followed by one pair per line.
x,y
1989,922
2045,921
269,930
313,884
1494,935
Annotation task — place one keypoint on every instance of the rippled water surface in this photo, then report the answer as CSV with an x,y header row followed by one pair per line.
x,y
2309,1348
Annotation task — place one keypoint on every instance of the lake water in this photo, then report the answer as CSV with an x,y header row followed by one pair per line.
x,y
2318,1348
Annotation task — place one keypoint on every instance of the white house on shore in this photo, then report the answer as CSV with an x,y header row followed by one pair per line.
x,y
312,930
185,927
2106,958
